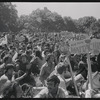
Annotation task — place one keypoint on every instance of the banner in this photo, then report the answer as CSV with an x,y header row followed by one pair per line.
x,y
78,47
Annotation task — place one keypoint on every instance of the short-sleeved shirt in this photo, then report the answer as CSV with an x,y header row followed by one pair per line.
x,y
3,79
62,82
46,71
45,94
96,80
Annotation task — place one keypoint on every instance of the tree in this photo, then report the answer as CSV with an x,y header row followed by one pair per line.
x,y
8,17
84,24
70,24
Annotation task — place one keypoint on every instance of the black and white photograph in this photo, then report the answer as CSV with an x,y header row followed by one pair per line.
x,y
49,50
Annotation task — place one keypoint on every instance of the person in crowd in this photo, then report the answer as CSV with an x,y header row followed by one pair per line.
x,y
29,54
61,71
56,56
47,68
98,61
52,90
7,81
23,64
6,60
40,59
82,68
95,92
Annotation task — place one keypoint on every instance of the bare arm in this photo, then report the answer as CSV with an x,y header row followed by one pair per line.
x,y
20,78
42,74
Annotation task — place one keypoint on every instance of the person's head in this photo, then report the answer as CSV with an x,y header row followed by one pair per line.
x,y
56,53
61,69
24,58
10,47
7,59
9,69
50,58
28,46
52,83
38,54
46,52
29,52
47,45
12,52
62,57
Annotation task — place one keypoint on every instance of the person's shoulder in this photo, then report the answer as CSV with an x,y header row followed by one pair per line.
x,y
63,92
42,93
81,62
3,78
61,89
60,78
2,66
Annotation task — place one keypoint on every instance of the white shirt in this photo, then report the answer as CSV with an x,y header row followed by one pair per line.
x,y
4,82
62,82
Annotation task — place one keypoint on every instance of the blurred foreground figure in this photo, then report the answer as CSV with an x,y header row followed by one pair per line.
x,y
52,90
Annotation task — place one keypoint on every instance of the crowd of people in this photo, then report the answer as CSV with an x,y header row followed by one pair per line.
x,y
41,70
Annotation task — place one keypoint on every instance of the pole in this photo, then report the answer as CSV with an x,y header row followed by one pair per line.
x,y
88,41
73,77
90,86
89,71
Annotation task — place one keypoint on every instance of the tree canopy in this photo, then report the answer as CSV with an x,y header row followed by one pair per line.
x,y
43,20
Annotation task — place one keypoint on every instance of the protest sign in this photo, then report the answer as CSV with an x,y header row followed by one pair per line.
x,y
86,46
79,47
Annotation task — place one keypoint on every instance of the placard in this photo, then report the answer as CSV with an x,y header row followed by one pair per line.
x,y
80,47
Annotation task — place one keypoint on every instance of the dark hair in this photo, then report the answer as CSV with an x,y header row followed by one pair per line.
x,y
28,51
23,55
38,54
8,66
28,46
61,68
6,58
53,78
47,50
93,58
49,56
83,57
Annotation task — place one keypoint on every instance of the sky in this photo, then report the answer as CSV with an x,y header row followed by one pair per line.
x,y
74,10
